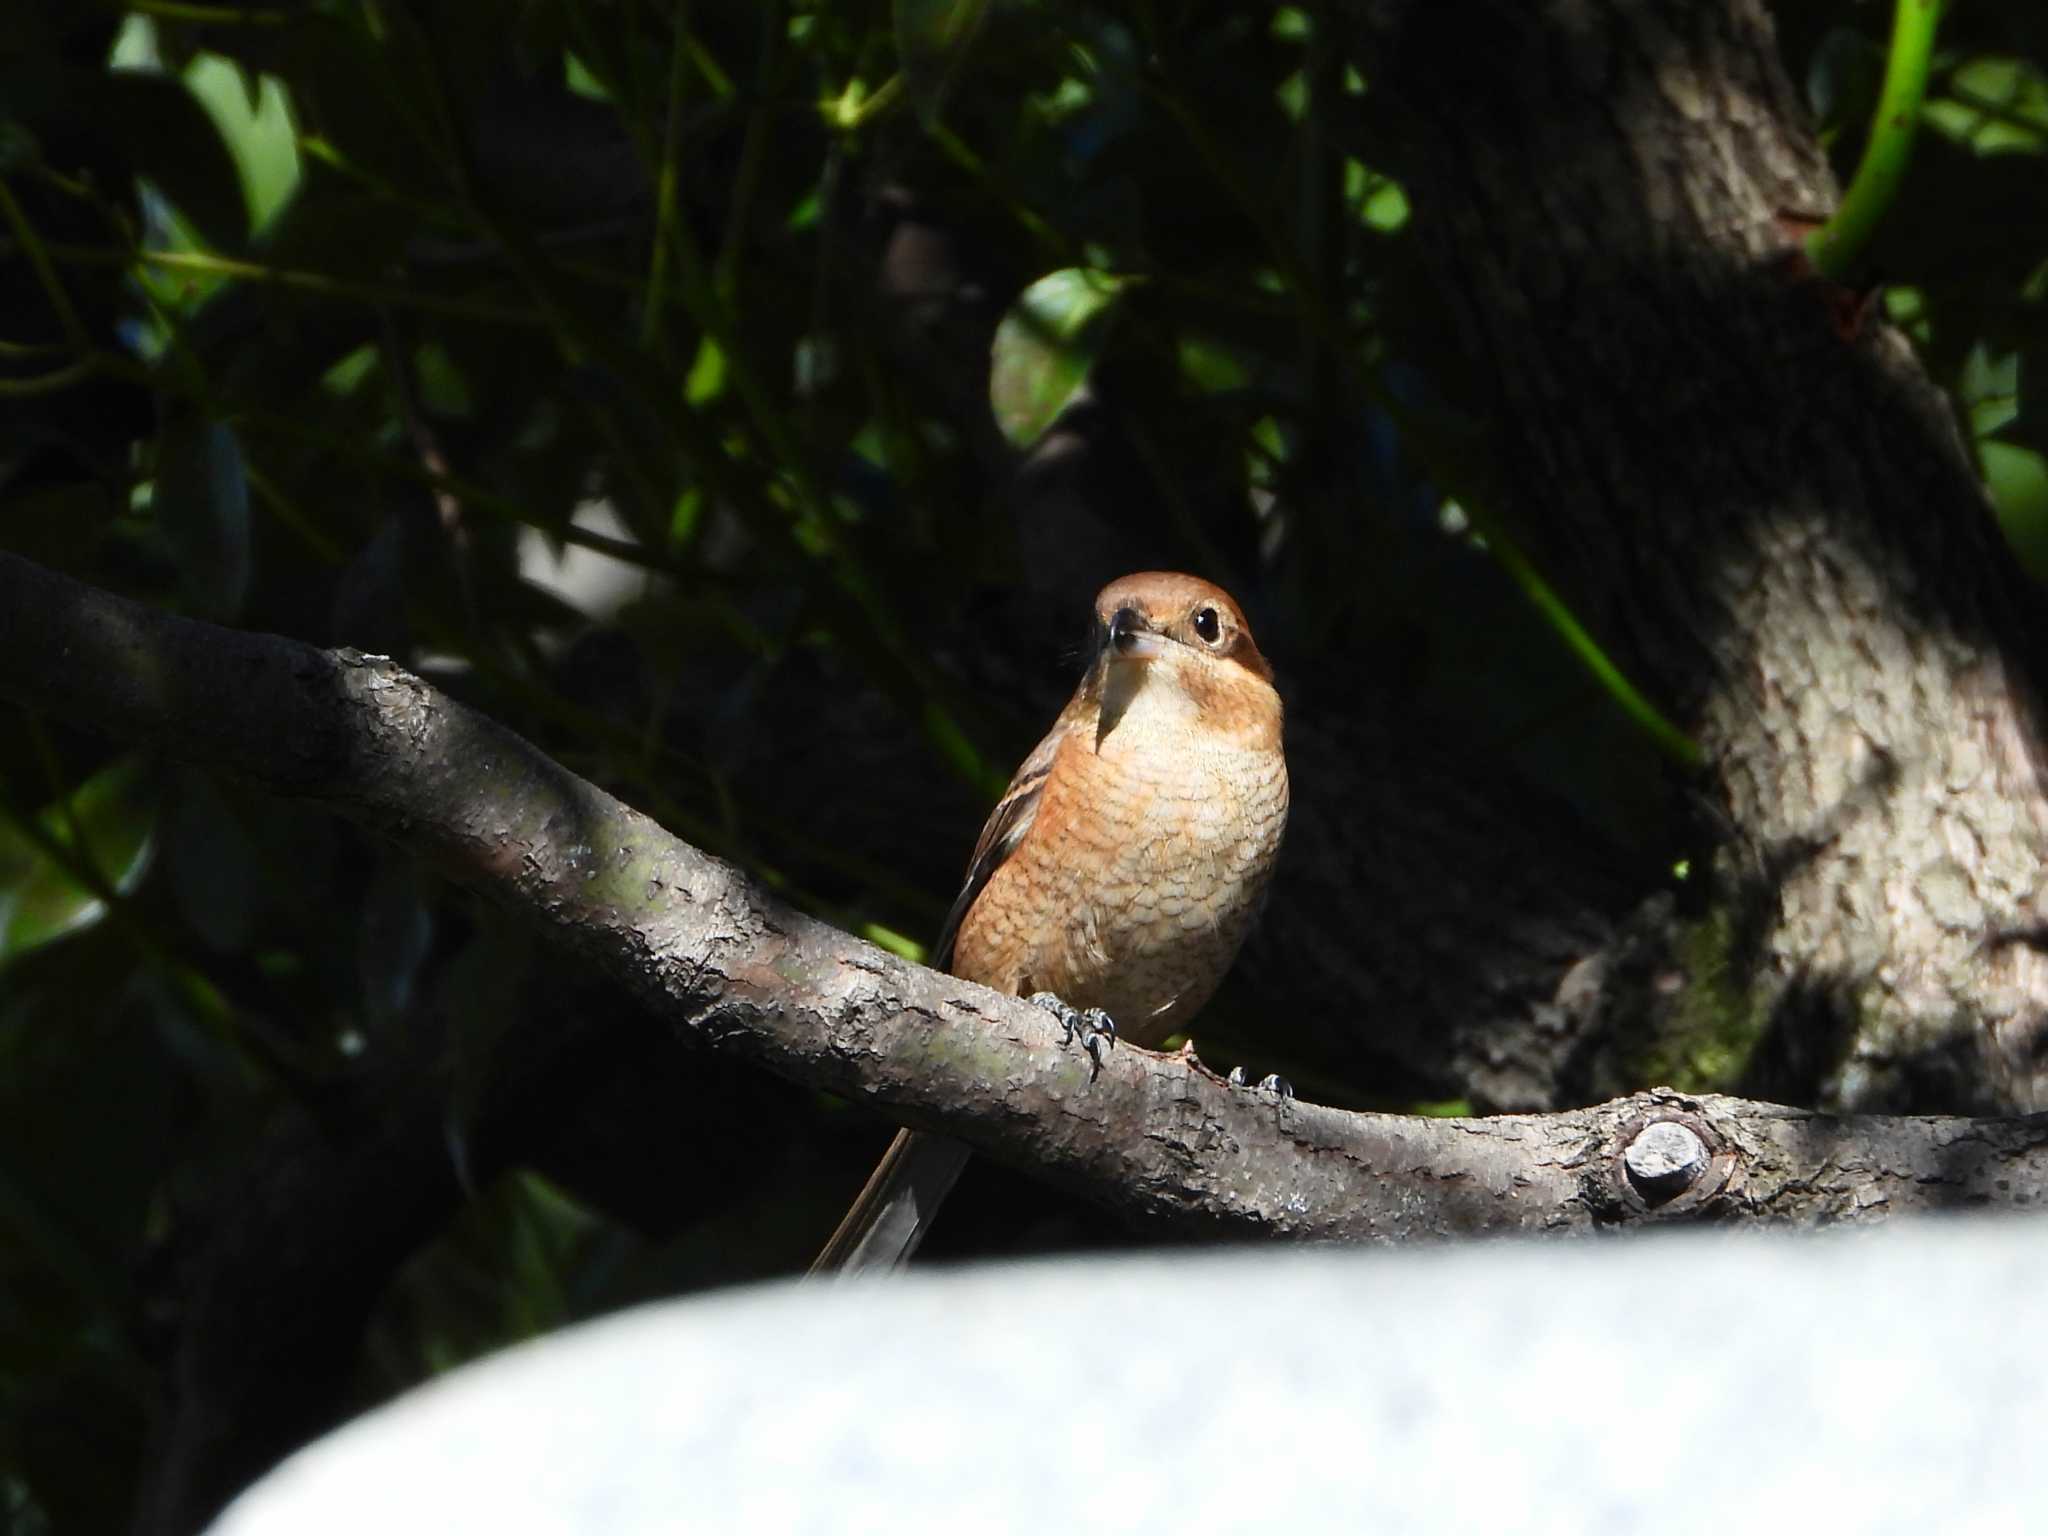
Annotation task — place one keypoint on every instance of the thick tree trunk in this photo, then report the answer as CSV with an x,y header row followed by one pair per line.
x,y
1779,526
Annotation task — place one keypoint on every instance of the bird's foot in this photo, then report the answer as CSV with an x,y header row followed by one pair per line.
x,y
1095,1029
1272,1082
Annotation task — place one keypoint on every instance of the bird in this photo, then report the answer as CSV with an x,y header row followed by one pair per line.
x,y
1119,873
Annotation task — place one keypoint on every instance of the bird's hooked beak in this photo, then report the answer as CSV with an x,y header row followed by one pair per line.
x,y
1132,637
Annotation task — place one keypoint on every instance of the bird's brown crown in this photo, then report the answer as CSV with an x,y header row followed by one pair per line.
x,y
1186,610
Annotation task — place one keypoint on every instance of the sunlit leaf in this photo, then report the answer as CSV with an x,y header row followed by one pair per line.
x,y
1044,348
578,77
40,900
2018,481
1385,207
255,121
1994,105
706,379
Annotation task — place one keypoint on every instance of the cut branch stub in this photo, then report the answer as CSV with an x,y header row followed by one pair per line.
x,y
1670,1160
1664,1160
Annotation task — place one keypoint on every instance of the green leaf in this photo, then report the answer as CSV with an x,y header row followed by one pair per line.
x,y
256,122
2017,478
202,505
581,82
1044,348
40,901
1211,367
1994,105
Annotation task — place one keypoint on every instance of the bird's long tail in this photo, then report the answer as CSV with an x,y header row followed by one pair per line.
x,y
889,1218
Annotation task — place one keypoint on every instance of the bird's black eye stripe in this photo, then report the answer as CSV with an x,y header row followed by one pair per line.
x,y
1208,625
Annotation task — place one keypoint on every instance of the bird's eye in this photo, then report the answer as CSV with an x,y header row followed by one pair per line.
x,y
1208,625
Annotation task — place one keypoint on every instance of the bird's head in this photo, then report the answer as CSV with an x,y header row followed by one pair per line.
x,y
1187,638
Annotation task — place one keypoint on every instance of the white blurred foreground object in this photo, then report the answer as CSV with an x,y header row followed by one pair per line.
x,y
1886,1381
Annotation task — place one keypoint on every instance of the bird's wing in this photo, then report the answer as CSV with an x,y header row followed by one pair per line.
x,y
1002,832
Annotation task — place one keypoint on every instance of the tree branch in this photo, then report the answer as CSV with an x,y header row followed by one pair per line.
x,y
1159,1137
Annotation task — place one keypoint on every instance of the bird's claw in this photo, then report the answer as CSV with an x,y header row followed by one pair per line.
x,y
1272,1082
1095,1029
